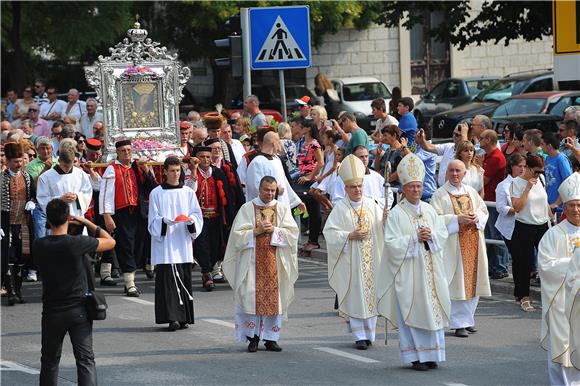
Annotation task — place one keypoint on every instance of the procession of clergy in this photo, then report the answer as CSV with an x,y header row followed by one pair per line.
x,y
421,266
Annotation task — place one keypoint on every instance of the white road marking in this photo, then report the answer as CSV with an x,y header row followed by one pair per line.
x,y
140,301
220,322
346,355
13,366
454,384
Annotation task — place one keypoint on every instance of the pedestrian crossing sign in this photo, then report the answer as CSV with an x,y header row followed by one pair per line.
x,y
280,37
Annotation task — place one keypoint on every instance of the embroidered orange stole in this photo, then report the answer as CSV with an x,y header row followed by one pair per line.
x,y
266,269
468,243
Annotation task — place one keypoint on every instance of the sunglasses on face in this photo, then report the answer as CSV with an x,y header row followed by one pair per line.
x,y
32,110
81,141
31,155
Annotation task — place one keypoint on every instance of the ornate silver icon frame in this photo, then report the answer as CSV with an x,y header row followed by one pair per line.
x,y
139,87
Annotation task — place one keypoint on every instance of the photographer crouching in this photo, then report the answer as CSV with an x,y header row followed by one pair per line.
x,y
64,287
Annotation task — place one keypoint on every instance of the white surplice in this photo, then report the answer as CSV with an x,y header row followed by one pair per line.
x,y
372,188
261,167
554,256
53,184
413,291
352,264
462,307
171,243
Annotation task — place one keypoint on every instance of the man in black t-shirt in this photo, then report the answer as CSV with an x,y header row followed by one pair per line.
x,y
64,285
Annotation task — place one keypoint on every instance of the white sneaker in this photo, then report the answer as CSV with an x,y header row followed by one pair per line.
x,y
31,276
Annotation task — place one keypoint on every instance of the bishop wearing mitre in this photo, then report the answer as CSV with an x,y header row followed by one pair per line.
x,y
354,229
261,266
413,291
555,253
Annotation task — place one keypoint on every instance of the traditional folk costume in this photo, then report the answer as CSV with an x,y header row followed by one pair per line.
x,y
464,252
413,291
352,264
214,121
229,169
213,194
372,188
17,189
108,258
262,270
555,252
123,193
243,166
269,165
172,251
573,306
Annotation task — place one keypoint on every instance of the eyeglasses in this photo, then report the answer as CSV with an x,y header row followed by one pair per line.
x,y
32,110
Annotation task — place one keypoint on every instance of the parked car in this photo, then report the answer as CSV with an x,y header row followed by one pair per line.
x,y
356,94
450,93
269,96
542,110
486,101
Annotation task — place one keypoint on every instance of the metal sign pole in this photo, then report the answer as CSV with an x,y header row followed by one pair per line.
x,y
246,54
282,94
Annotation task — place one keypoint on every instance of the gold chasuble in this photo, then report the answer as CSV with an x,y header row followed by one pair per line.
x,y
266,272
468,243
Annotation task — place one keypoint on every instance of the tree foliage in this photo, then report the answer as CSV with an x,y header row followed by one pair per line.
x,y
79,31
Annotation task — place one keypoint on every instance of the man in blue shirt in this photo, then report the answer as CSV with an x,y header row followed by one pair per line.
x,y
407,122
557,168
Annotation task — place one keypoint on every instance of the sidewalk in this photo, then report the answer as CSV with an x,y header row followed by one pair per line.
x,y
504,286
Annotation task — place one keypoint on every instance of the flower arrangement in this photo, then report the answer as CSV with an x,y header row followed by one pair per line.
x,y
150,144
138,70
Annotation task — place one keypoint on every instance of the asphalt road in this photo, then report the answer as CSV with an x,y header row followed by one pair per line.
x,y
131,350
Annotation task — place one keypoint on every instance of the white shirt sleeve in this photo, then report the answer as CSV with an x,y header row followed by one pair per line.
x,y
107,192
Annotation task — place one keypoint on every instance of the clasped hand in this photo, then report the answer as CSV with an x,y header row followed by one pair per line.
x,y
358,234
263,227
424,234
468,218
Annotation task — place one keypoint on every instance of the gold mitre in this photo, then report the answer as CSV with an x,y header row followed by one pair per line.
x,y
351,170
144,88
411,169
570,189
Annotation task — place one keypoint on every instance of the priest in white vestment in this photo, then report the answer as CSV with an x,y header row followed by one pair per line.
x,y
261,266
555,253
465,216
372,186
413,291
175,219
573,306
267,163
354,229
68,183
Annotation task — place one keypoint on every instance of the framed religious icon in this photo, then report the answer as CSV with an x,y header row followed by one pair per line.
x,y
139,87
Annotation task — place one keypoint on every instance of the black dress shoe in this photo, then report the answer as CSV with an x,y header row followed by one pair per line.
x,y
108,281
132,292
115,273
272,346
432,365
461,333
149,273
368,342
173,326
471,330
420,366
361,345
253,346
183,325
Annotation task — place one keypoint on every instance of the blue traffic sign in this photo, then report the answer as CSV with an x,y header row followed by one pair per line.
x,y
280,37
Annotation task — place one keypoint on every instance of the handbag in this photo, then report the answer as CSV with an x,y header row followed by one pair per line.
x,y
96,302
